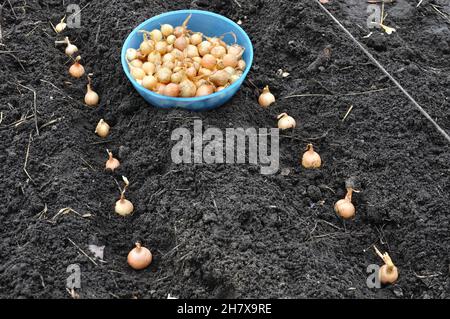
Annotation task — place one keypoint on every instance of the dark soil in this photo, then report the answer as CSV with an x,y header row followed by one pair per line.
x,y
267,236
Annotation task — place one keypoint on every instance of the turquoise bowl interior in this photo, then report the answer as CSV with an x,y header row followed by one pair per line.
x,y
210,24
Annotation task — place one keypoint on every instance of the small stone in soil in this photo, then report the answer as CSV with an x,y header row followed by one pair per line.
x,y
209,218
123,152
314,193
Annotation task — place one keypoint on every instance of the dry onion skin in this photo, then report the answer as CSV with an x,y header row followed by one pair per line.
x,y
311,159
344,208
388,273
139,257
177,62
123,206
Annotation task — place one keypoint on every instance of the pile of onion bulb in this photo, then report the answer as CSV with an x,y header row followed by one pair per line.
x,y
344,208
388,273
177,62
139,257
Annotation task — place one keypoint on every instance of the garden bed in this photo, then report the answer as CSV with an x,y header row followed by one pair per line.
x,y
226,230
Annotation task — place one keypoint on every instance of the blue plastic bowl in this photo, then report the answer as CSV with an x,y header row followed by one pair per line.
x,y
210,24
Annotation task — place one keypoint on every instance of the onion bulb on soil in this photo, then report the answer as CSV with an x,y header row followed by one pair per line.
x,y
71,49
139,257
266,98
286,122
61,26
91,98
311,159
388,273
102,129
112,163
344,207
123,206
77,70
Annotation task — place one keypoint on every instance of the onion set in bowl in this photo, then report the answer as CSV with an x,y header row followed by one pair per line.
x,y
178,62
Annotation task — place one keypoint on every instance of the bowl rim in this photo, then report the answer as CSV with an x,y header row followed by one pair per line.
x,y
229,89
